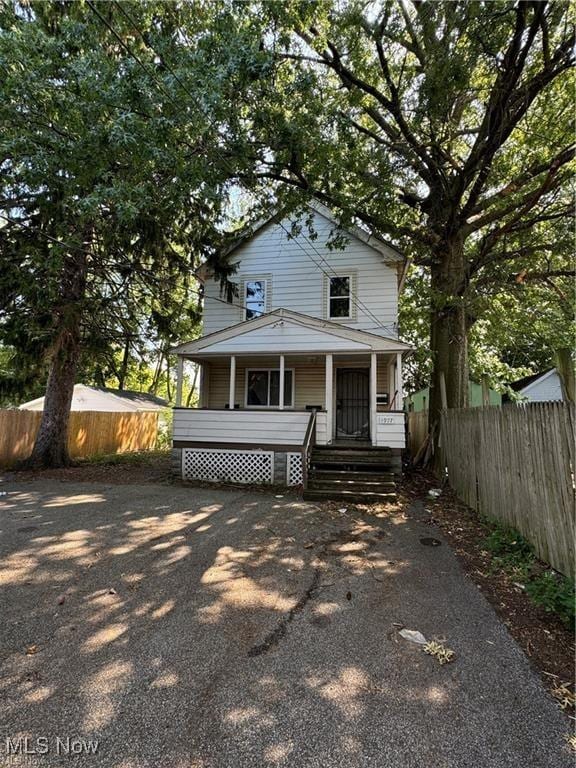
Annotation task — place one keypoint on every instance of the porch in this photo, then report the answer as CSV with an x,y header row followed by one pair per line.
x,y
303,402
260,413
268,399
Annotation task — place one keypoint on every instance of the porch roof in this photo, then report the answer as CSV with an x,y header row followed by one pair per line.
x,y
284,331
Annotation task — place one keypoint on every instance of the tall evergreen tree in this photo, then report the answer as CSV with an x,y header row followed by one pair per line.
x,y
108,196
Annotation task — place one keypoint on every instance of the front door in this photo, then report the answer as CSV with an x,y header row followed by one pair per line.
x,y
352,404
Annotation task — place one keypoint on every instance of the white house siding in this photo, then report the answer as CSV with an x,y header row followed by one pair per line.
x,y
271,427
283,337
321,428
294,268
390,430
546,388
309,380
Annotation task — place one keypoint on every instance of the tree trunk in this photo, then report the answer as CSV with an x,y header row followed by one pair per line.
x,y
193,387
124,366
157,371
168,381
565,368
448,330
51,446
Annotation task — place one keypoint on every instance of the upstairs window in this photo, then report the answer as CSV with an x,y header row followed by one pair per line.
x,y
254,298
339,298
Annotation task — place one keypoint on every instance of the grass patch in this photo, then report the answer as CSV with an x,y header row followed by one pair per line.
x,y
514,555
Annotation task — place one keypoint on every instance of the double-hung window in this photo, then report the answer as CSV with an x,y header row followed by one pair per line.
x,y
340,297
263,388
254,298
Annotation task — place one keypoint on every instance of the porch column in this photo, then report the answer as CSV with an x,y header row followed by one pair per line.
x,y
232,393
281,393
179,380
400,395
373,384
329,398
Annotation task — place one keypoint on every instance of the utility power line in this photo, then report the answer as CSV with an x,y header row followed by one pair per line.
x,y
357,301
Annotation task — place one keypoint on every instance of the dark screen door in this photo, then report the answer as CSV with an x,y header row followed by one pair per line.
x,y
352,403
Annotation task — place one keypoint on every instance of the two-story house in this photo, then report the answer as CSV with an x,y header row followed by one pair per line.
x,y
301,374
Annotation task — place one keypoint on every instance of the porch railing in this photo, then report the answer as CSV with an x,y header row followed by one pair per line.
x,y
256,428
309,441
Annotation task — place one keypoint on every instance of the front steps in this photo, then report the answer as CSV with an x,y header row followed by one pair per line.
x,y
363,474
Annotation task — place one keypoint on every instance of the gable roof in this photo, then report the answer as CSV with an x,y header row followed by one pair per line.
x,y
386,249
87,398
286,331
143,401
527,381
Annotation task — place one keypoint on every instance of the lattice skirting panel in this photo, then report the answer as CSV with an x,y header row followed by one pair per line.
x,y
228,465
294,474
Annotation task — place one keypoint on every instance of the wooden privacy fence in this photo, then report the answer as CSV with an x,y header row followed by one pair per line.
x,y
90,433
417,431
516,464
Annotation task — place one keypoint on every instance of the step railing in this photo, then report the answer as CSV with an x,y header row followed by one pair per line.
x,y
309,440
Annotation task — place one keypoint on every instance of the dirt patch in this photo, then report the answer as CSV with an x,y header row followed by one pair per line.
x,y
122,469
546,641
143,468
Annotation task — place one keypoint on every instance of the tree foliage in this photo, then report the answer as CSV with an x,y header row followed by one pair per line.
x,y
108,196
447,126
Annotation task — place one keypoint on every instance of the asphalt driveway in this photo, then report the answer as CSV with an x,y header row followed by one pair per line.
x,y
209,628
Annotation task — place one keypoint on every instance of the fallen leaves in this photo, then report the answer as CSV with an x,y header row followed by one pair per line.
x,y
565,697
440,652
31,650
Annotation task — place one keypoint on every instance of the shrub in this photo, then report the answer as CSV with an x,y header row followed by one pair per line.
x,y
555,593
512,553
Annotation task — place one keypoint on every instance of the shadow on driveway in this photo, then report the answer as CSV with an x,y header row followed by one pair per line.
x,y
197,627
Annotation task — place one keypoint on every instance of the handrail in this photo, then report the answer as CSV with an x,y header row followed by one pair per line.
x,y
310,433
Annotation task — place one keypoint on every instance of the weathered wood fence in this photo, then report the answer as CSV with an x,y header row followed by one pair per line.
x,y
417,430
90,433
516,464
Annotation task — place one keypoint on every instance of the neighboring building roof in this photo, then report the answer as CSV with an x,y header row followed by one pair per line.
x,y
521,384
144,401
87,398
284,331
539,387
